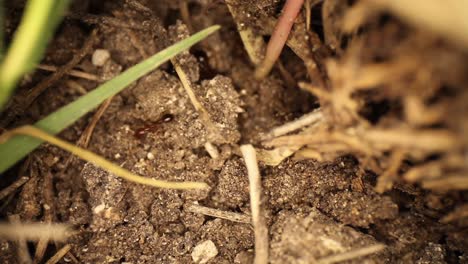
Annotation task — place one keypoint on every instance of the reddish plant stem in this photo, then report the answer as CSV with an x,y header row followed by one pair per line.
x,y
279,37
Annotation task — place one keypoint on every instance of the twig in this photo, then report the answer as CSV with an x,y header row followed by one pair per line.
x,y
85,137
212,150
258,220
353,254
385,181
23,253
111,21
49,212
305,120
185,14
459,213
74,73
231,216
59,255
34,231
448,182
13,187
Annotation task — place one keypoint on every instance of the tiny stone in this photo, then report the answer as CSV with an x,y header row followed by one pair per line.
x,y
100,56
204,252
150,156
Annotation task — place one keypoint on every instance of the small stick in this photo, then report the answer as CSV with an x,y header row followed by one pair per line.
x,y
353,254
59,255
85,137
74,73
49,212
279,37
185,14
305,120
385,180
231,216
212,150
308,8
258,220
23,253
34,231
13,187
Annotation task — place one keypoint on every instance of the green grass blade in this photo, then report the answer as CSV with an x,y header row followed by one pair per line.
x,y
19,146
39,21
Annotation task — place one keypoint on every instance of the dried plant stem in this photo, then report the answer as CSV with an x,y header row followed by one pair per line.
x,y
99,161
258,220
59,255
279,37
303,121
385,181
353,254
74,73
13,187
35,231
231,216
9,231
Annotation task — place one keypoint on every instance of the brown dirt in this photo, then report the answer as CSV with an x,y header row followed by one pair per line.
x,y
314,209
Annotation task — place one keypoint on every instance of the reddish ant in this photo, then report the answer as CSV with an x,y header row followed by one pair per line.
x,y
152,127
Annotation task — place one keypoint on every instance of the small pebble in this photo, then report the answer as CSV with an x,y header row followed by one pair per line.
x,y
204,252
100,56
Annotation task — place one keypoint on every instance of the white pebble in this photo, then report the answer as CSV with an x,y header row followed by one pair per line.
x,y
100,56
150,156
204,252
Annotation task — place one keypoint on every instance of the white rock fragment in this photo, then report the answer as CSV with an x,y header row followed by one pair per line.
x,y
98,209
100,56
204,252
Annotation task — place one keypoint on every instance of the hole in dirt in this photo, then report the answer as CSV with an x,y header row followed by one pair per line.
x,y
374,111
316,24
206,72
171,17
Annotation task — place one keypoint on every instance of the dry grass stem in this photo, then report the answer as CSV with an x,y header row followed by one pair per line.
x,y
99,161
303,121
353,254
74,73
258,219
35,231
59,255
275,156
85,137
230,216
385,180
459,213
23,252
448,182
13,187
212,150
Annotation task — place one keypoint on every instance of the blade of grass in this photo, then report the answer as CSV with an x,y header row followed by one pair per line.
x,y
39,21
98,160
19,146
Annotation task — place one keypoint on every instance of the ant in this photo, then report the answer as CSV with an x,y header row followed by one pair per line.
x,y
153,126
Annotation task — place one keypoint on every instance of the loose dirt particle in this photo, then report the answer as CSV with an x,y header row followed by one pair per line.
x,y
204,252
